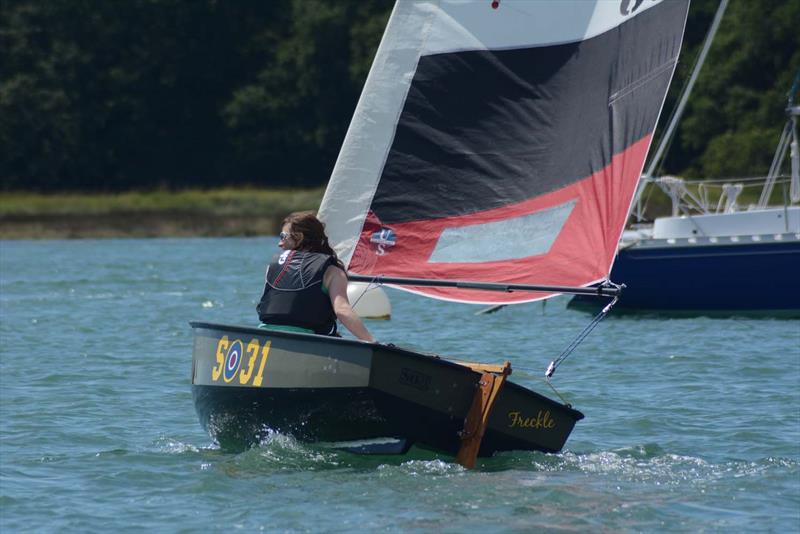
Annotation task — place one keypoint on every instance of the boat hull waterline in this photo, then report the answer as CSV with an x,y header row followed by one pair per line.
x,y
698,277
247,382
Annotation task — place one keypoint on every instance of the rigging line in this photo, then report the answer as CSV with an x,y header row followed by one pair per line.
x,y
755,180
549,384
375,283
667,148
580,337
565,401
491,309
662,141
647,200
777,163
655,162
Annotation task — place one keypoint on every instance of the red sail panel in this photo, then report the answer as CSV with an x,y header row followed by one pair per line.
x,y
582,252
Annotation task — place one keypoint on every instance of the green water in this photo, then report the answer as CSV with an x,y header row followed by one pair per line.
x,y
691,424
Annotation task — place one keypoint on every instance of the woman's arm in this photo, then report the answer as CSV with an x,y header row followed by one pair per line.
x,y
336,282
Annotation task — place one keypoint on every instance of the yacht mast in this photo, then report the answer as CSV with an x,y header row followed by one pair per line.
x,y
666,139
676,116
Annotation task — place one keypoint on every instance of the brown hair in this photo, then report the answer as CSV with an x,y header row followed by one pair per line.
x,y
308,233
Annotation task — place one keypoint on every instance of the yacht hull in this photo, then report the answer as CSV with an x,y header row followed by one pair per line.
x,y
746,276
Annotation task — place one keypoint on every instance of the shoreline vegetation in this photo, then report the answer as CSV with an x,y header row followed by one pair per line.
x,y
222,212
200,213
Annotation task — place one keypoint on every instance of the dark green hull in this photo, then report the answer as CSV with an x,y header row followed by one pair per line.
x,y
247,381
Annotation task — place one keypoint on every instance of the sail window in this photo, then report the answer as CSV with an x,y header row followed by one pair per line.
x,y
509,239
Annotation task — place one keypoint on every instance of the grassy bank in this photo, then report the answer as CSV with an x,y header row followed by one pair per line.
x,y
219,212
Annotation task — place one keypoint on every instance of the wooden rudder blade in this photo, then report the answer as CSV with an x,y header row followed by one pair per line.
x,y
489,387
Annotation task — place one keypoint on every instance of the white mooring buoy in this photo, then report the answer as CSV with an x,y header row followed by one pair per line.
x,y
369,301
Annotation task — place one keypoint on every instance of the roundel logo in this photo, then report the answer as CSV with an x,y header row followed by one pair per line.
x,y
384,238
233,360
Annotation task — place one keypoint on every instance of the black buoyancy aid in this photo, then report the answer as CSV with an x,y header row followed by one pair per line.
x,y
293,292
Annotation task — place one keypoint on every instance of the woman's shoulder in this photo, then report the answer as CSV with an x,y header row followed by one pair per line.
x,y
334,269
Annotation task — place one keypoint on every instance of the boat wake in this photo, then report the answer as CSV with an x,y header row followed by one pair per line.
x,y
284,453
639,465
643,463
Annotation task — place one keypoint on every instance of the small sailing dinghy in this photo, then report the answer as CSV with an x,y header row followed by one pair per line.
x,y
492,158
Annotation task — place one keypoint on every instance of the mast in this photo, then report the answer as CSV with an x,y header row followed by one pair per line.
x,y
666,139
676,116
788,139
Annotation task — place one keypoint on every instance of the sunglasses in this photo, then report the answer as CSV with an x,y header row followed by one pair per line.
x,y
283,236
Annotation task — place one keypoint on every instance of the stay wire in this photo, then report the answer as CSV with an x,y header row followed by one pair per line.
x,y
551,369
375,283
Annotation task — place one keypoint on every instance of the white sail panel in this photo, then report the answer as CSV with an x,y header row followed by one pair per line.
x,y
462,24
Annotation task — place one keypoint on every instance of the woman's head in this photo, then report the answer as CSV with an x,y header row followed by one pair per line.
x,y
303,231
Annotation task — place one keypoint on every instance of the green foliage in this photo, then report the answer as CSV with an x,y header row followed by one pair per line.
x,y
100,95
114,95
292,117
211,203
739,153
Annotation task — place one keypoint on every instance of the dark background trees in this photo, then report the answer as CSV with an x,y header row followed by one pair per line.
x,y
736,112
100,95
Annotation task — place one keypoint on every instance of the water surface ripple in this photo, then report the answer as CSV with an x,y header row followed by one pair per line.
x,y
691,424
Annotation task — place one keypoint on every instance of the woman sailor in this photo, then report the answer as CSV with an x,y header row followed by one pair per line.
x,y
306,285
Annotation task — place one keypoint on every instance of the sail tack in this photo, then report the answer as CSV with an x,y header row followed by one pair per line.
x,y
501,143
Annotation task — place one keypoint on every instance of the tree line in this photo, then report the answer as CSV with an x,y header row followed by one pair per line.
x,y
99,95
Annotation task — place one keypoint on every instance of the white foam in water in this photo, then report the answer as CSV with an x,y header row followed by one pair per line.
x,y
165,444
662,469
273,438
422,467
287,451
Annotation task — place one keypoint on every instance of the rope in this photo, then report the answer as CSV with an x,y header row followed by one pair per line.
x,y
585,332
377,283
533,372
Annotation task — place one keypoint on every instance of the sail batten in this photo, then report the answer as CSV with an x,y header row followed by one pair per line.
x,y
501,145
